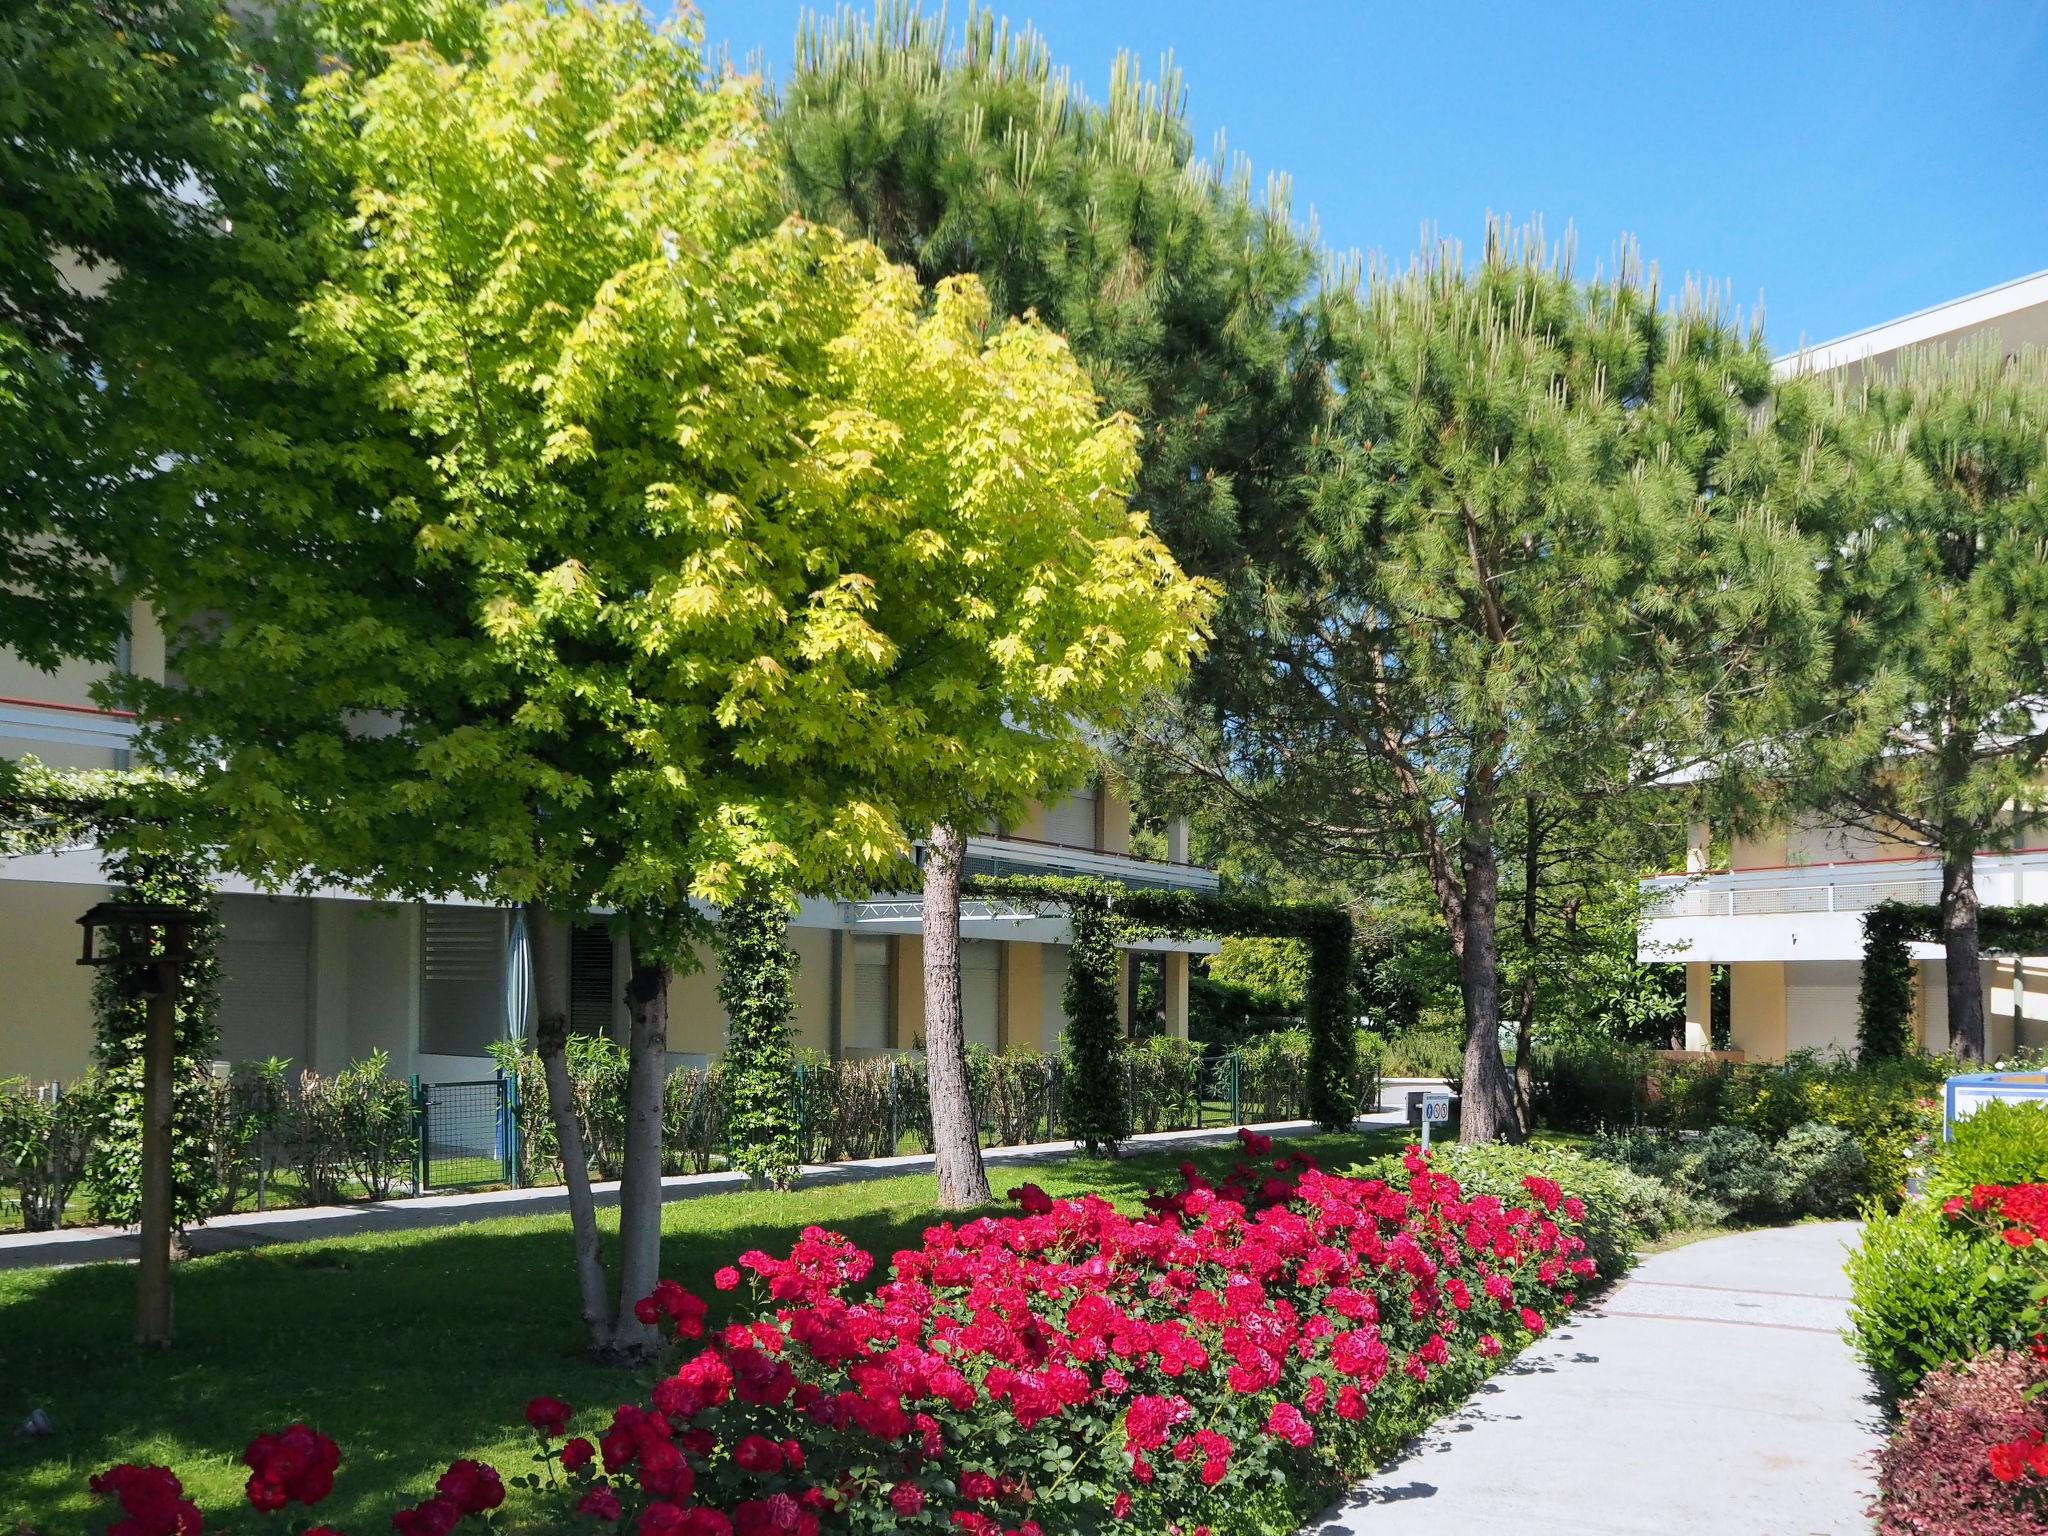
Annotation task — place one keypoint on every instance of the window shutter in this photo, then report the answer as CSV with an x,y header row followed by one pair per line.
x,y
593,986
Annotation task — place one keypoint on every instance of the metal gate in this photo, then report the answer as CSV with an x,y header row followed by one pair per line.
x,y
466,1133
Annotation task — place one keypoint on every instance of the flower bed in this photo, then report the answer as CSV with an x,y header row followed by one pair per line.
x,y
1219,1363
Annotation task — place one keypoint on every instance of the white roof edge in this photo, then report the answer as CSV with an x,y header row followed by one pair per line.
x,y
1922,325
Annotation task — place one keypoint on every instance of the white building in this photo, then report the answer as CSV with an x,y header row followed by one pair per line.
x,y
325,980
1786,916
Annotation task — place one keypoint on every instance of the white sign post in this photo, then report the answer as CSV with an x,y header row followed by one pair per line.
x,y
1436,1110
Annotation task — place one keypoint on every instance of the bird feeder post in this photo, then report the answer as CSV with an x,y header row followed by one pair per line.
x,y
152,942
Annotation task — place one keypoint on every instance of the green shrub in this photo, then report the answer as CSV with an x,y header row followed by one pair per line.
x,y
352,1131
1369,1054
2001,1143
1889,1106
1923,1293
1688,1093
1424,1053
242,1107
1731,1172
1624,1209
1591,1086
1273,1076
43,1139
1165,1077
693,1119
1821,1171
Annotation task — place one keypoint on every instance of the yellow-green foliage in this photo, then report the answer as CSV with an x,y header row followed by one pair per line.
x,y
639,541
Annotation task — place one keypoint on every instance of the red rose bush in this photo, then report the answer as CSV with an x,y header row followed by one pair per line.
x,y
1207,1366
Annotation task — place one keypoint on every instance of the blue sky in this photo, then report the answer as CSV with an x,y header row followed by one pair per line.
x,y
1848,163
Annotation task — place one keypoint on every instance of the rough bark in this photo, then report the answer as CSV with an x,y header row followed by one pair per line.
x,y
1959,942
640,1180
1487,1105
549,947
1525,1011
956,1148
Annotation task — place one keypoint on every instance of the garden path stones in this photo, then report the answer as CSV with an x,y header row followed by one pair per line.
x,y
1711,1392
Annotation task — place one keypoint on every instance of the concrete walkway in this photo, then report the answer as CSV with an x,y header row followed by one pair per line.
x,y
250,1229
1711,1393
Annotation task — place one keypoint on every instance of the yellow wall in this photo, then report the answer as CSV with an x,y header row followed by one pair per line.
x,y
906,979
1756,1008
1021,985
1758,852
1112,821
696,1019
46,1004
812,1026
1177,995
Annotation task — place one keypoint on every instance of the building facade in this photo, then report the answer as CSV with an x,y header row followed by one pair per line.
x,y
1786,914
326,979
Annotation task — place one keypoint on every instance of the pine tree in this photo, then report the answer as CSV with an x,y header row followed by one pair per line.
x,y
1930,479
1177,290
1515,583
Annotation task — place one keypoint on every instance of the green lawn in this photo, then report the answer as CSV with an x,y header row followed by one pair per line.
x,y
409,1348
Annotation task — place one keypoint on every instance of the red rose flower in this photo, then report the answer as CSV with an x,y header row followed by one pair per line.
x,y
548,1415
599,1501
906,1499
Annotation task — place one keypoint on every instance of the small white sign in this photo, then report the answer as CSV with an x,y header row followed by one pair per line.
x,y
1436,1108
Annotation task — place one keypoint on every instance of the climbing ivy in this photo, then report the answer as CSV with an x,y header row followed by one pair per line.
x,y
113,1168
1884,1007
756,985
1106,914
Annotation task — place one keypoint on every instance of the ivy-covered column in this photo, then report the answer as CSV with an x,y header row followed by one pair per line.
x,y
1884,1003
1332,1053
1098,1112
756,983
113,1167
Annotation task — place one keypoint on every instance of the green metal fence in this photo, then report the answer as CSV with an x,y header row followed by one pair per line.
x,y
465,1134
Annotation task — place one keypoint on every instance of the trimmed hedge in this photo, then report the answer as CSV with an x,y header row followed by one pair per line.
x,y
1924,1293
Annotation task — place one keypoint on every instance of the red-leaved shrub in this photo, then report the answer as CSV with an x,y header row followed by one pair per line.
x,y
1937,1476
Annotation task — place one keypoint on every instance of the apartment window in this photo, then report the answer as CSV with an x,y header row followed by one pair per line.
x,y
594,991
265,974
462,980
868,1028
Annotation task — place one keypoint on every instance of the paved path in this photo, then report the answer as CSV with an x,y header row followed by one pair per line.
x,y
1710,1393
249,1229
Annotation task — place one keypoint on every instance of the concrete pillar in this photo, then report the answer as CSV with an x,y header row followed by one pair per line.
x,y
1699,1006
906,987
1176,994
1123,990
1756,1009
1177,840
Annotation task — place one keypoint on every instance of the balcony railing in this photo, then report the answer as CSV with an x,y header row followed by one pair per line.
x,y
72,725
1851,885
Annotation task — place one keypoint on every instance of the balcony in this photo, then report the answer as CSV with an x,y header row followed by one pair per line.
x,y
71,725
993,856
1808,911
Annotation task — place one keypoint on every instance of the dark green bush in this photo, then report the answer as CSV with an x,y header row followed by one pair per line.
x,y
1591,1086
1424,1053
1924,1292
2001,1143
1731,1172
1889,1106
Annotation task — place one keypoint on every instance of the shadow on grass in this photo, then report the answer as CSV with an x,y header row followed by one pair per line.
x,y
409,1347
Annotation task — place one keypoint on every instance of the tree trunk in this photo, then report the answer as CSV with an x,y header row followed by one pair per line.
x,y
956,1147
1525,1012
1487,1106
640,1182
549,946
1965,958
